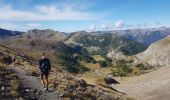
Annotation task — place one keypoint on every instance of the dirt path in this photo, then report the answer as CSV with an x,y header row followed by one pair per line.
x,y
151,86
34,87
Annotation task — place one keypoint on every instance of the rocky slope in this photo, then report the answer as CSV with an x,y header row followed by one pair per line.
x,y
60,54
157,53
63,85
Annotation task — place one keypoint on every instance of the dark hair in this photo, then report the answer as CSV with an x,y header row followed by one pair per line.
x,y
43,54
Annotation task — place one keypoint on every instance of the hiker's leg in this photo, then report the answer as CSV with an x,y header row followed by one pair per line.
x,y
42,79
46,80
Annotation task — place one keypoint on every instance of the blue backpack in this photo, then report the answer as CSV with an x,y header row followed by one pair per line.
x,y
44,65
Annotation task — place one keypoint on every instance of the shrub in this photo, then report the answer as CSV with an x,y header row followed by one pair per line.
x,y
103,63
108,61
72,69
88,59
77,68
122,71
121,62
130,61
6,60
126,69
82,68
141,66
94,61
14,87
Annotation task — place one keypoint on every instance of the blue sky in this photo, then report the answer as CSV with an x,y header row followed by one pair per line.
x,y
89,15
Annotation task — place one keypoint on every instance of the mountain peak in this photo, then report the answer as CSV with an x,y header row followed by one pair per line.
x,y
46,34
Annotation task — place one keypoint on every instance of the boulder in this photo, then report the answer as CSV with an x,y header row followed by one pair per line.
x,y
110,80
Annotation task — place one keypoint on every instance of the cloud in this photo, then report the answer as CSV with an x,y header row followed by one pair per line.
x,y
145,25
139,25
14,27
34,25
46,13
105,26
129,26
92,28
8,26
19,27
158,23
119,24
100,27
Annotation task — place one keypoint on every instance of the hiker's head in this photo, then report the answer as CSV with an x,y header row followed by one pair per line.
x,y
43,55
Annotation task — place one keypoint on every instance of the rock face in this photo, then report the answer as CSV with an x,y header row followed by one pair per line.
x,y
116,55
157,53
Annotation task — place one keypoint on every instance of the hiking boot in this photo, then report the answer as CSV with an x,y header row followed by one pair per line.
x,y
61,95
45,89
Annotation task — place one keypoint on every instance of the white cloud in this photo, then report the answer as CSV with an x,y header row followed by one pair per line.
x,y
145,25
129,26
19,27
92,28
158,24
34,25
39,13
105,26
139,25
119,24
100,27
8,26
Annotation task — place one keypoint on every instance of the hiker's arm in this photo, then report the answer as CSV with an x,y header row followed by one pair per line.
x,y
39,64
49,64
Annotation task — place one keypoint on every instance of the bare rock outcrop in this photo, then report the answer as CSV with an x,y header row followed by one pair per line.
x,y
157,54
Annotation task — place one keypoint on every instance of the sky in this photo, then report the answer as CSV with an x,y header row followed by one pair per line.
x,y
88,15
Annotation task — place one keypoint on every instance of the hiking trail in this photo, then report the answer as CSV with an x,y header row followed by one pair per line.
x,y
33,87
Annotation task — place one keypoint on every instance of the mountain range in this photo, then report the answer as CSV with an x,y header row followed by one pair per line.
x,y
144,36
130,52
126,42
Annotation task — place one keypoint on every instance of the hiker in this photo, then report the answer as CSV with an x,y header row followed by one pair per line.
x,y
45,68
14,61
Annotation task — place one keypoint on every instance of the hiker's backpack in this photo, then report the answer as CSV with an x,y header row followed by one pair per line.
x,y
44,65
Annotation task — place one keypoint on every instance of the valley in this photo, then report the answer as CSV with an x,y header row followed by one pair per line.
x,y
84,50
103,65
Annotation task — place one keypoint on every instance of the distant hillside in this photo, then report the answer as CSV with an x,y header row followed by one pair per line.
x,y
45,35
158,53
105,43
144,36
4,34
